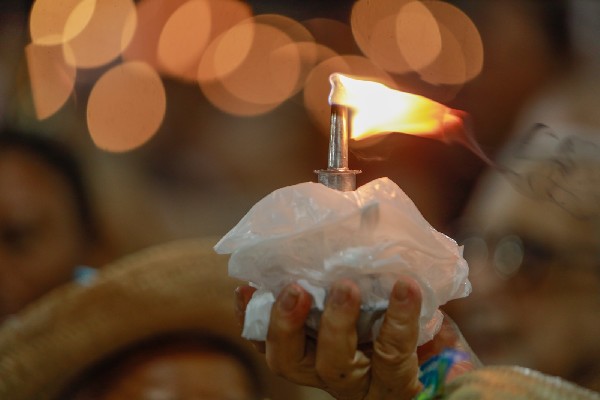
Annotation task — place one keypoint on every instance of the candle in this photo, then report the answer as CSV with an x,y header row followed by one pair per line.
x,y
313,235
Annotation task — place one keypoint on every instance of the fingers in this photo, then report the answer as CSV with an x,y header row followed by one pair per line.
x,y
336,365
342,368
286,339
395,363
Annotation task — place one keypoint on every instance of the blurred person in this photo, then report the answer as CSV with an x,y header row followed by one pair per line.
x,y
183,365
47,225
535,248
534,257
156,324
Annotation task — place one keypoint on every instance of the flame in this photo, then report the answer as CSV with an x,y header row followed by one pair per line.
x,y
377,109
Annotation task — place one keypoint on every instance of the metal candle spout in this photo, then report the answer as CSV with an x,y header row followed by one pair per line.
x,y
337,175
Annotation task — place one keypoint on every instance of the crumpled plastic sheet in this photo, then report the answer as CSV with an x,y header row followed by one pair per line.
x,y
314,235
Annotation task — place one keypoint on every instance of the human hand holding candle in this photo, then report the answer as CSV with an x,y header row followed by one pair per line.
x,y
333,362
386,369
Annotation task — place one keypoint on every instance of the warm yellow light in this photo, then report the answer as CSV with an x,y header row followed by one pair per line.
x,y
378,109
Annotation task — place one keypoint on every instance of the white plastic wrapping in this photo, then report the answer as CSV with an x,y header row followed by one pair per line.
x,y
314,235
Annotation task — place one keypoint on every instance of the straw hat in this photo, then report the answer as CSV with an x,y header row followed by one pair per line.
x,y
175,286
515,383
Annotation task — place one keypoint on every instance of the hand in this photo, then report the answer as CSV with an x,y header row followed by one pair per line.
x,y
334,362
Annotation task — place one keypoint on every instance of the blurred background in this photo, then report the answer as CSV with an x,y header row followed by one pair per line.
x,y
186,112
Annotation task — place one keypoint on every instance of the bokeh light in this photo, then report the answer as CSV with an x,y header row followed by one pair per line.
x,y
433,38
152,15
450,67
184,38
226,14
303,45
51,78
292,28
104,37
262,77
417,35
219,59
333,34
374,28
227,52
310,53
461,57
48,20
172,36
265,76
126,107
225,101
245,65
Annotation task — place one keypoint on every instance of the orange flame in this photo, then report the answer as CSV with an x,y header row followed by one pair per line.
x,y
378,109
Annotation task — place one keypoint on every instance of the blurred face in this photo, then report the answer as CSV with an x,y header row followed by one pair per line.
x,y
536,289
41,239
184,376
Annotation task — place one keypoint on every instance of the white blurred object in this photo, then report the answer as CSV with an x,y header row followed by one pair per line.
x,y
314,235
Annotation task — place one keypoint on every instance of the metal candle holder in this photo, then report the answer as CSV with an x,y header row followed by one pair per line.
x,y
337,175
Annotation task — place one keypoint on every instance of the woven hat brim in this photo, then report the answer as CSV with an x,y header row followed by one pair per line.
x,y
176,286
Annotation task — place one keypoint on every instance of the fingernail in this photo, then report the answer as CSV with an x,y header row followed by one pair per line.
x,y
340,292
401,290
289,299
